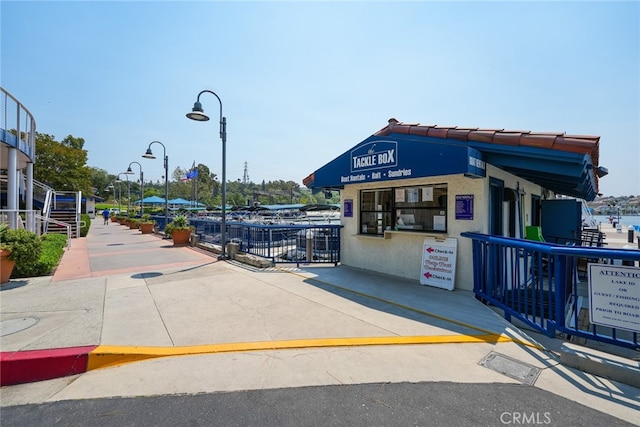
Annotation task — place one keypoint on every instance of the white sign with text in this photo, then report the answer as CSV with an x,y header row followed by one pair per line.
x,y
614,296
439,263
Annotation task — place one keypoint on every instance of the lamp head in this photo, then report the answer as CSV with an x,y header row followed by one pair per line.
x,y
129,171
118,180
149,154
602,171
197,113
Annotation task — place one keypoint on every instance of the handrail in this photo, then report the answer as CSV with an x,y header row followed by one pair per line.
x,y
14,220
17,125
42,185
558,249
62,224
542,284
48,201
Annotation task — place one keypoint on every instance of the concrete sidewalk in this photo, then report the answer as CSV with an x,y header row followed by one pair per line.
x,y
120,297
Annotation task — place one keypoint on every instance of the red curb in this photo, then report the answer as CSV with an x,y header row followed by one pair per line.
x,y
19,367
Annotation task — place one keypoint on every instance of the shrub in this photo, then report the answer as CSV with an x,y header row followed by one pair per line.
x,y
146,219
87,224
25,247
179,222
52,251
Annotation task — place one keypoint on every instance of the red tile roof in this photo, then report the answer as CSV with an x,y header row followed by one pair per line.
x,y
583,144
553,160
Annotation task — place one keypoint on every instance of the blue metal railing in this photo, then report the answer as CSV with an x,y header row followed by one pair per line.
x,y
545,285
295,243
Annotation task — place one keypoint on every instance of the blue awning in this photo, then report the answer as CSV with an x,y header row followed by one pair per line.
x,y
151,200
383,159
564,164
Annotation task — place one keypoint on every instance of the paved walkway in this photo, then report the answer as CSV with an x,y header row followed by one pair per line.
x,y
121,306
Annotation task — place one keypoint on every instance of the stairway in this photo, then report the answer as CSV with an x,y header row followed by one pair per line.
x,y
66,216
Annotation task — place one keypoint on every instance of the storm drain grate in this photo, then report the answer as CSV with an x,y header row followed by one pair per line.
x,y
523,372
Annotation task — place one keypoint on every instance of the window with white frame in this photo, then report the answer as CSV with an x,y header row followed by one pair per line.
x,y
420,208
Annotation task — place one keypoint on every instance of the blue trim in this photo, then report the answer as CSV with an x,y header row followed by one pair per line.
x,y
400,156
378,159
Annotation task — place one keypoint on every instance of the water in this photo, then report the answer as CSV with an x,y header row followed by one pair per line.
x,y
625,220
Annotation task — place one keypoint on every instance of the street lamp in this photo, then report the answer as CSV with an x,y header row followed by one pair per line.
x,y
111,187
128,191
130,172
119,195
149,155
197,114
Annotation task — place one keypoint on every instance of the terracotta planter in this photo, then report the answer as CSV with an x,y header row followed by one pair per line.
x,y
6,266
146,227
113,219
181,237
133,225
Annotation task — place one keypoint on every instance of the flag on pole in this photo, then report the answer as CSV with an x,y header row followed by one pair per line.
x,y
193,172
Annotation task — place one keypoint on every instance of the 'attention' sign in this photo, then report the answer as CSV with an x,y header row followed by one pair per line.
x,y
614,296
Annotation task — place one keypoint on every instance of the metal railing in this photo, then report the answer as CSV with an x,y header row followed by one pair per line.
x,y
546,285
31,221
17,125
291,243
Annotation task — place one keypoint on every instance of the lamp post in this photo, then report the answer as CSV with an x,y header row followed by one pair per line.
x,y
197,114
112,187
149,155
128,191
119,195
130,172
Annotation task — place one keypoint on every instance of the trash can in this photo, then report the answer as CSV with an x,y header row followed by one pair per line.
x,y
630,234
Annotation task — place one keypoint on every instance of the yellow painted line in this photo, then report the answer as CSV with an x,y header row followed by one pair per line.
x,y
415,310
105,355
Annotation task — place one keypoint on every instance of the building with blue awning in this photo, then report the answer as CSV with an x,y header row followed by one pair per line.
x,y
409,183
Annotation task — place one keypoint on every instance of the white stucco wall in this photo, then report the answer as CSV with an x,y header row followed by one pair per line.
x,y
399,253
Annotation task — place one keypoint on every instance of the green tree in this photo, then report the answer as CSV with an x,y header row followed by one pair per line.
x,y
62,165
100,180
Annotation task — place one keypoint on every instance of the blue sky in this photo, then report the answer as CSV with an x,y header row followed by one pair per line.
x,y
302,82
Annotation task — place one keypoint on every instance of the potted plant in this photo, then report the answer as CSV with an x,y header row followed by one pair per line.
x,y
6,261
147,224
19,248
180,230
134,223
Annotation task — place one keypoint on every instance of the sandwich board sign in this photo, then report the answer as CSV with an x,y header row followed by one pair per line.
x,y
439,262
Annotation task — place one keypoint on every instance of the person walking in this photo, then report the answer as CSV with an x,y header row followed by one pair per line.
x,y
105,214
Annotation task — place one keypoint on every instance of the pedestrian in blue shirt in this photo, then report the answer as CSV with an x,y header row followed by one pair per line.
x,y
105,214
